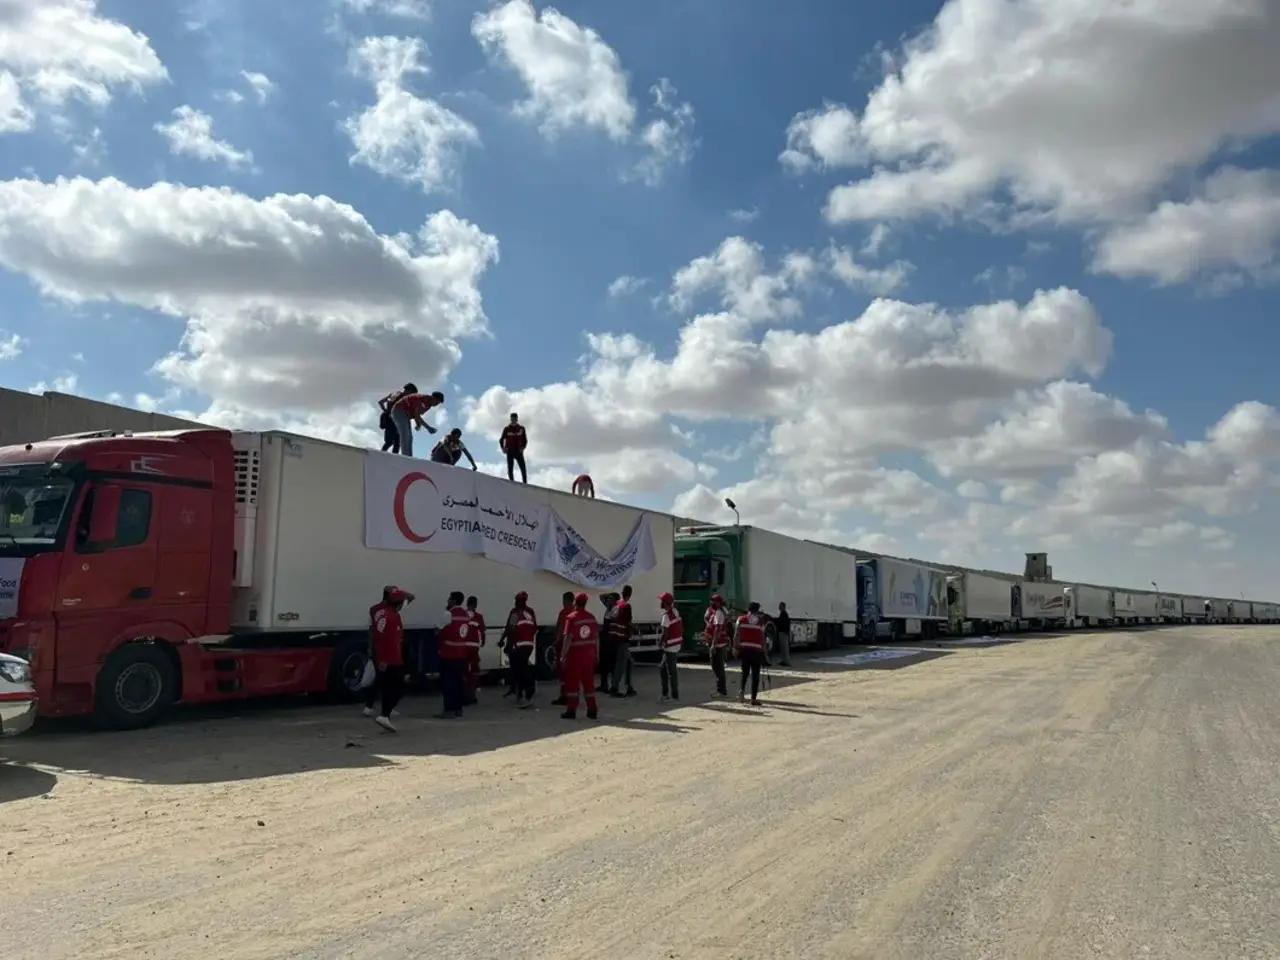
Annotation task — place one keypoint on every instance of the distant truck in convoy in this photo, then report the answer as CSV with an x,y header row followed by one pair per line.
x,y
897,598
1043,606
978,603
1195,610
1240,611
1168,608
202,565
1092,606
818,583
1219,611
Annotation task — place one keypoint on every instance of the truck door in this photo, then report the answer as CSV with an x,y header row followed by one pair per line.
x,y
184,532
108,575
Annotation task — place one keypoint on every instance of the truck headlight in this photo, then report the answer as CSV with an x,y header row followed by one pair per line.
x,y
15,672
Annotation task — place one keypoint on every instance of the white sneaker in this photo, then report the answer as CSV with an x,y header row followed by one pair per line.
x,y
664,699
385,723
368,711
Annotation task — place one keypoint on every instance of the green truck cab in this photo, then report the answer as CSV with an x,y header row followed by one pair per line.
x,y
709,560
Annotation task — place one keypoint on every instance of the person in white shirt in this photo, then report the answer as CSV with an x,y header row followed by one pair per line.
x,y
671,644
716,634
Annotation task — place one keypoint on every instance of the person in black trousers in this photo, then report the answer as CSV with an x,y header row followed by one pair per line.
x,y
749,645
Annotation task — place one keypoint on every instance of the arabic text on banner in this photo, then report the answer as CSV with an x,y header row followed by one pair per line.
x,y
419,505
10,582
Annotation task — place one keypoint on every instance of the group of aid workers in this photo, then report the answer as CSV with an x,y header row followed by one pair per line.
x,y
577,648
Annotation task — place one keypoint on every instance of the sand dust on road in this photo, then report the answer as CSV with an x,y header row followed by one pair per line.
x,y
1091,795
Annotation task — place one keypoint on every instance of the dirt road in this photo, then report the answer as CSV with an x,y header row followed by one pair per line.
x,y
1094,795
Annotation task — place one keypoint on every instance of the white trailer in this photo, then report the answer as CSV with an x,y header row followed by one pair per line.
x,y
1043,604
1219,611
1194,609
1240,611
818,583
901,599
1266,612
1145,607
1126,607
302,564
1093,606
1168,608
979,603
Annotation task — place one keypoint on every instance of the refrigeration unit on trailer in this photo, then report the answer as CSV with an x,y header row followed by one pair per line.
x,y
1240,611
200,565
1169,608
978,603
1195,609
1042,605
1093,606
818,583
1146,607
900,599
1219,611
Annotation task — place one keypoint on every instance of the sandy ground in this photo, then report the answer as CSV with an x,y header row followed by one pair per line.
x,y
1092,795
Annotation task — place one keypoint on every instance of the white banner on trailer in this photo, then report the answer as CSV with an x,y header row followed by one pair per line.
x,y
433,508
10,584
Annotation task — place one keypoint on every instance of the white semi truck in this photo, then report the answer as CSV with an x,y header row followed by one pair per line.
x,y
1042,605
1092,606
979,603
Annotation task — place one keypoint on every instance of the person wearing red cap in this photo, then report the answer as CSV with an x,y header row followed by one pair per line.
x,y
407,411
582,646
386,643
716,631
670,645
474,642
520,637
454,648
749,644
559,646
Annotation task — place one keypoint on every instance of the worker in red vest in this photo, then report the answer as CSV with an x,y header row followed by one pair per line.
x,y
559,642
386,642
670,645
474,642
581,647
715,624
455,640
620,623
749,645
520,637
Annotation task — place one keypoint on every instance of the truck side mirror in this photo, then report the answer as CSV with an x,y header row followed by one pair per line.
x,y
105,515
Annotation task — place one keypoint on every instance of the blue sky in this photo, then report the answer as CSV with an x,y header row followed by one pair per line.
x,y
956,282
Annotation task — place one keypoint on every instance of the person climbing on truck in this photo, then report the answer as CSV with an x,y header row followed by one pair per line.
x,y
513,441
520,638
716,633
390,435
407,413
581,647
386,640
450,449
558,644
454,647
749,645
671,644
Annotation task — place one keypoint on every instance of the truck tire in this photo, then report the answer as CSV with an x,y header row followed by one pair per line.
x,y
548,667
346,665
770,641
136,685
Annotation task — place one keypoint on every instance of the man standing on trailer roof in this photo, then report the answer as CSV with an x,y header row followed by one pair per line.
x,y
513,441
407,413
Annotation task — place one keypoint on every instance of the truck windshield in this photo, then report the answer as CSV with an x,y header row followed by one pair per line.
x,y
692,572
31,510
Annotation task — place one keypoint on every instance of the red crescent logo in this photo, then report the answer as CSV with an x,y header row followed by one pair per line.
x,y
402,489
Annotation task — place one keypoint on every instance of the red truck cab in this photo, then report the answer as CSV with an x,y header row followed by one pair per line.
x,y
116,566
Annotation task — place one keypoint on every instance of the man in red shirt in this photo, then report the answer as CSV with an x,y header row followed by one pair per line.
x,y
386,642
474,643
390,435
520,637
513,441
620,624
565,610
454,648
407,413
581,646
749,644
716,632
671,644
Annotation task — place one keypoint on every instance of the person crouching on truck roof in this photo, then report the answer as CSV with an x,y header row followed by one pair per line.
x,y
749,645
386,642
559,645
451,449
621,626
715,624
582,646
520,637
670,645
390,435
407,412
474,642
455,646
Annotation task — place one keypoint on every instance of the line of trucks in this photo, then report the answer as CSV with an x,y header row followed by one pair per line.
x,y
140,571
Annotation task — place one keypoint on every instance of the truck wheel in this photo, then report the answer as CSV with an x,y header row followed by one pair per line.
x,y
548,667
770,641
346,666
135,686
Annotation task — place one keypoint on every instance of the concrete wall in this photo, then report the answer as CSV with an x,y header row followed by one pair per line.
x,y
25,417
